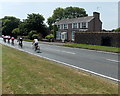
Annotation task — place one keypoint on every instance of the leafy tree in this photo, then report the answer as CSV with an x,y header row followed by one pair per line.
x,y
15,32
58,14
23,27
8,24
50,21
118,29
55,29
62,13
34,22
74,12
31,33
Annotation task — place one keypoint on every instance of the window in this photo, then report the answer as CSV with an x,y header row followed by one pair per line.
x,y
58,26
61,26
58,35
73,35
83,25
65,26
75,25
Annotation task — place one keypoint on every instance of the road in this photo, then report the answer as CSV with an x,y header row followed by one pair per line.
x,y
104,64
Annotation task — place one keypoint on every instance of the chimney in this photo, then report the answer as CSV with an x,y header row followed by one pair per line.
x,y
96,15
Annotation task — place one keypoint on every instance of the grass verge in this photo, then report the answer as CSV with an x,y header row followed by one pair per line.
x,y
27,74
94,47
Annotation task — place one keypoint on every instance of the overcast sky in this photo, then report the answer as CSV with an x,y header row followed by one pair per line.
x,y
108,10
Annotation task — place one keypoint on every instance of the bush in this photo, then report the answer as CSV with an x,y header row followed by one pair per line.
x,y
50,37
31,33
35,36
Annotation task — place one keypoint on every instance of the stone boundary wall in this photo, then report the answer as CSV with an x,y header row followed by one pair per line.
x,y
98,38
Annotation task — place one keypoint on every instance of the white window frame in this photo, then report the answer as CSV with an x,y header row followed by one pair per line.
x,y
73,26
59,26
62,26
73,35
58,35
65,26
82,25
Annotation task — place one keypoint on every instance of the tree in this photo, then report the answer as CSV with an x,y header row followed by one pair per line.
x,y
15,32
74,12
24,30
50,21
62,13
8,24
58,14
31,33
34,22
118,29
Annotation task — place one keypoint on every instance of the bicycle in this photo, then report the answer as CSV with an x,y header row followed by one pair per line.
x,y
36,48
20,44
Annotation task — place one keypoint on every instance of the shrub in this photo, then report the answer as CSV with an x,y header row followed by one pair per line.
x,y
35,36
31,33
50,37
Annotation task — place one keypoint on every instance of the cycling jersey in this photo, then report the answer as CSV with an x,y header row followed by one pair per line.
x,y
35,40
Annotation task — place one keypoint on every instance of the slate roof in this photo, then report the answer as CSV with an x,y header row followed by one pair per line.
x,y
75,20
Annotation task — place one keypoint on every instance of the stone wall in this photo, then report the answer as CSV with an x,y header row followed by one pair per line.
x,y
98,38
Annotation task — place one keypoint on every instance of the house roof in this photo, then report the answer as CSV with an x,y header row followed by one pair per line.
x,y
75,20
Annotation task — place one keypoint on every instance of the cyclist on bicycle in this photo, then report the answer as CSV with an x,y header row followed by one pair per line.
x,y
35,43
12,38
20,41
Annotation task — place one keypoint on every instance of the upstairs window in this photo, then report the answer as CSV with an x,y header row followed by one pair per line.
x,y
75,25
58,26
61,26
83,25
65,26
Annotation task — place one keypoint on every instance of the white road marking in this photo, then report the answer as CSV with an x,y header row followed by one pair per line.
x,y
101,75
60,51
113,60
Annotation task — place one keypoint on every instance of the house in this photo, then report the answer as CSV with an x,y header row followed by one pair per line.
x,y
70,26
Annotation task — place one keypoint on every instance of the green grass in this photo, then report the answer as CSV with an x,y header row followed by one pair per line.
x,y
94,47
27,74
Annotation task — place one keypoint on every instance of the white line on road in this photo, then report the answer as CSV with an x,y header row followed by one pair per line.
x,y
113,60
101,75
61,51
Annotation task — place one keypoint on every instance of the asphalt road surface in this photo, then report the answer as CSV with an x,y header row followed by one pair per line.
x,y
104,64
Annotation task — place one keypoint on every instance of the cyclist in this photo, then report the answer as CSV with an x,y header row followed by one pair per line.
x,y
8,39
4,39
35,43
12,38
20,41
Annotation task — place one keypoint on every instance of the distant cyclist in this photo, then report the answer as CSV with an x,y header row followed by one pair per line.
x,y
20,41
12,38
4,38
8,39
35,43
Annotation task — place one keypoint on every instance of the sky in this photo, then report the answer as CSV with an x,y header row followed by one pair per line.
x,y
108,10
